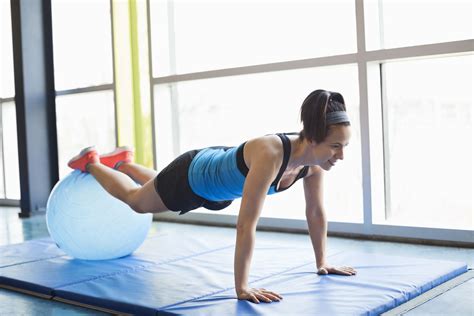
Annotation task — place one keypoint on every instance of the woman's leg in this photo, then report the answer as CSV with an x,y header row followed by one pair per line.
x,y
137,172
143,199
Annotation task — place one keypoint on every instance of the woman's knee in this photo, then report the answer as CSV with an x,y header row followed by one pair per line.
x,y
136,203
140,209
145,199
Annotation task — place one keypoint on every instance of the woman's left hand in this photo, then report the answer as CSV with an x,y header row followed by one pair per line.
x,y
327,269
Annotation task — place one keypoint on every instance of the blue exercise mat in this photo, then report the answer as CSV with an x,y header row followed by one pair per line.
x,y
193,275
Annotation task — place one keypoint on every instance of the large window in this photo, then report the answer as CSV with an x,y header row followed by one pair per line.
x,y
231,109
7,87
83,120
85,110
228,71
208,35
10,152
429,140
398,23
82,43
9,172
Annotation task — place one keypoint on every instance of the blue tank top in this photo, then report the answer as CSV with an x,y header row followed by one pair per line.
x,y
218,173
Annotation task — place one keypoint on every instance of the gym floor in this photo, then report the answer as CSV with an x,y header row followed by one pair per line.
x,y
457,301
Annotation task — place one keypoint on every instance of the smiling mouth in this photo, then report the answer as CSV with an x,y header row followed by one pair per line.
x,y
331,163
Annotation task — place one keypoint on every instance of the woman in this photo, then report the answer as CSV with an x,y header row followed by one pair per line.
x,y
213,177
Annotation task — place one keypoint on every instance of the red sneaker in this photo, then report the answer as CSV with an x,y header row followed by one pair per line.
x,y
87,155
120,154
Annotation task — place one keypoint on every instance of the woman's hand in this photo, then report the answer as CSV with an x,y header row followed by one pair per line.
x,y
258,295
327,269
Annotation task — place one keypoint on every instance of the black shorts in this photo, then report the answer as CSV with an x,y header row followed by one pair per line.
x,y
173,187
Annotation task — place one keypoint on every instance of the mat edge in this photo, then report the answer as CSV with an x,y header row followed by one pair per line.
x,y
431,294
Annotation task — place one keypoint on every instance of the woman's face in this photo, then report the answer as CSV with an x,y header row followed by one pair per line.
x,y
328,152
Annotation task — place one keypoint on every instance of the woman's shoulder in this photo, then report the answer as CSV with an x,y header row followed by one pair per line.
x,y
268,147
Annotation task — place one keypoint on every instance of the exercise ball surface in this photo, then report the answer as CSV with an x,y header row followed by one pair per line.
x,y
86,222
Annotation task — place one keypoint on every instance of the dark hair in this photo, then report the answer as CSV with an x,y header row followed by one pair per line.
x,y
313,114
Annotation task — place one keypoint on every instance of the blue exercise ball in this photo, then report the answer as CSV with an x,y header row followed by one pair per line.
x,y
86,222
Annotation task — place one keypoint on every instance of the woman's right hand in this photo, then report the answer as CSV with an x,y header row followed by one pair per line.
x,y
258,295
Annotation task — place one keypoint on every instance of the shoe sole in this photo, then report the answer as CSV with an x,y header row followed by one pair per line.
x,y
82,153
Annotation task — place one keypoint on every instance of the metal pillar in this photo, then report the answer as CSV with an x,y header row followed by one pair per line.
x,y
35,102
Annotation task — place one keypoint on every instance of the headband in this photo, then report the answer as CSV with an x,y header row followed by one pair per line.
x,y
336,117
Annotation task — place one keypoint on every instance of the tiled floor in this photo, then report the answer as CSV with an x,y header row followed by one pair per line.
x,y
458,301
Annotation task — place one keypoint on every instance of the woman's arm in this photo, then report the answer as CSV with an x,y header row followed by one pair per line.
x,y
262,170
315,215
317,222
